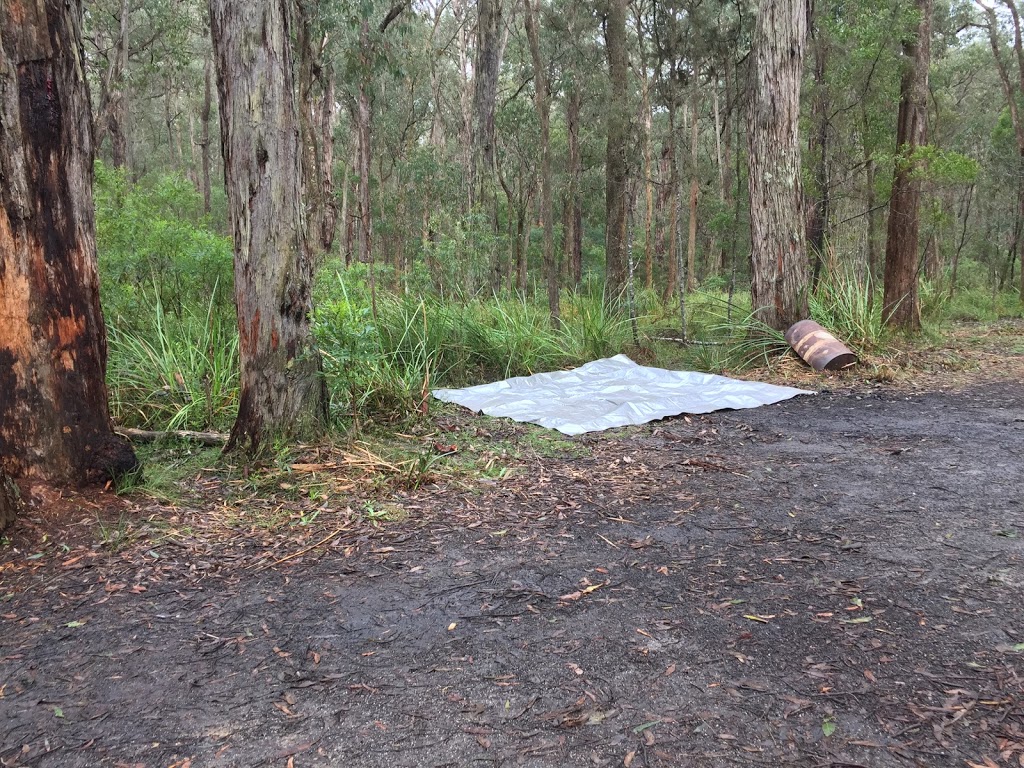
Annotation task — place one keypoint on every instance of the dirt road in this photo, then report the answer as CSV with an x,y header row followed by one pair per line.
x,y
837,580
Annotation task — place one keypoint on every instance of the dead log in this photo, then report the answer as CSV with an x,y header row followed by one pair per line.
x,y
149,436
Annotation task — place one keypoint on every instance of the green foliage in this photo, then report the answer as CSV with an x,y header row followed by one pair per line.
x,y
385,367
181,374
593,328
152,238
943,166
843,303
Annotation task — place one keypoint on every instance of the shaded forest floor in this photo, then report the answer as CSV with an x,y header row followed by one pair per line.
x,y
837,580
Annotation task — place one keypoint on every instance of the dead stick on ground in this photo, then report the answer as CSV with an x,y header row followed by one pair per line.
x,y
324,540
149,436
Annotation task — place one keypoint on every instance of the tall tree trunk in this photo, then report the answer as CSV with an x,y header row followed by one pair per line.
x,y
282,392
486,67
1012,89
673,212
720,162
54,422
778,256
205,140
900,304
646,121
110,116
872,215
574,197
691,242
542,98
615,159
818,198
316,122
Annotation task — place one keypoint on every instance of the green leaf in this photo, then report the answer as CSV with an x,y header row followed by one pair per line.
x,y
73,624
828,727
858,620
58,712
1019,647
645,726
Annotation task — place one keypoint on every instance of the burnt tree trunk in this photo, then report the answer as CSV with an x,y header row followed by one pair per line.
x,y
899,300
779,254
54,422
282,392
615,157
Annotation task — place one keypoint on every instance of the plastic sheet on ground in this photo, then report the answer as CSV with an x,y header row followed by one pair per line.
x,y
613,392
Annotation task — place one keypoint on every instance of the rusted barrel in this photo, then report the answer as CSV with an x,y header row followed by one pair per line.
x,y
819,348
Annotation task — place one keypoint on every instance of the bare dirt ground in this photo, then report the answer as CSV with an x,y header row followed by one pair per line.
x,y
837,580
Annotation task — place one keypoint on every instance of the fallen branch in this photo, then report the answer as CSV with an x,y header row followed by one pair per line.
x,y
149,436
690,342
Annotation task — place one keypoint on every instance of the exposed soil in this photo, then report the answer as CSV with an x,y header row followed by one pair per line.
x,y
837,580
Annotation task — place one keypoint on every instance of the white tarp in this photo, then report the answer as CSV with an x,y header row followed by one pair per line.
x,y
610,393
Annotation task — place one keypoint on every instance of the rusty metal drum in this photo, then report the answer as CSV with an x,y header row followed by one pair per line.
x,y
819,348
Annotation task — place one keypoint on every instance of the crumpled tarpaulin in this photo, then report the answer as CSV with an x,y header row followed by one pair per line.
x,y
613,392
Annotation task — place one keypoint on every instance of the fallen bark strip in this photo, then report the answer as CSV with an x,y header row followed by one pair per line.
x,y
149,436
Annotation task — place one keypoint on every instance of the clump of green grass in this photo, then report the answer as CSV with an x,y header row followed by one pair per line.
x,y
181,374
843,303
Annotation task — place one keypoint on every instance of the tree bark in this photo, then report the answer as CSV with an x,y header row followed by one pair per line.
x,y
542,98
574,198
819,199
282,392
205,115
673,200
691,241
316,121
110,117
615,156
54,422
778,257
899,300
486,68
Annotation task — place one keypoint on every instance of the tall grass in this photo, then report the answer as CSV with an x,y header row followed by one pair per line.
x,y
389,364
180,374
843,303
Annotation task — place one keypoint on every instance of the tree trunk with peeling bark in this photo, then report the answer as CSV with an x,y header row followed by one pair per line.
x,y
54,422
282,391
900,306
779,254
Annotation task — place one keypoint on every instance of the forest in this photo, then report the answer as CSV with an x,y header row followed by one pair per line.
x,y
466,191
249,247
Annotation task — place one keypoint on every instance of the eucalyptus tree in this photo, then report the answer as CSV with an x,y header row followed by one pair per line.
x,y
282,391
1010,66
900,299
616,166
54,418
542,98
779,256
